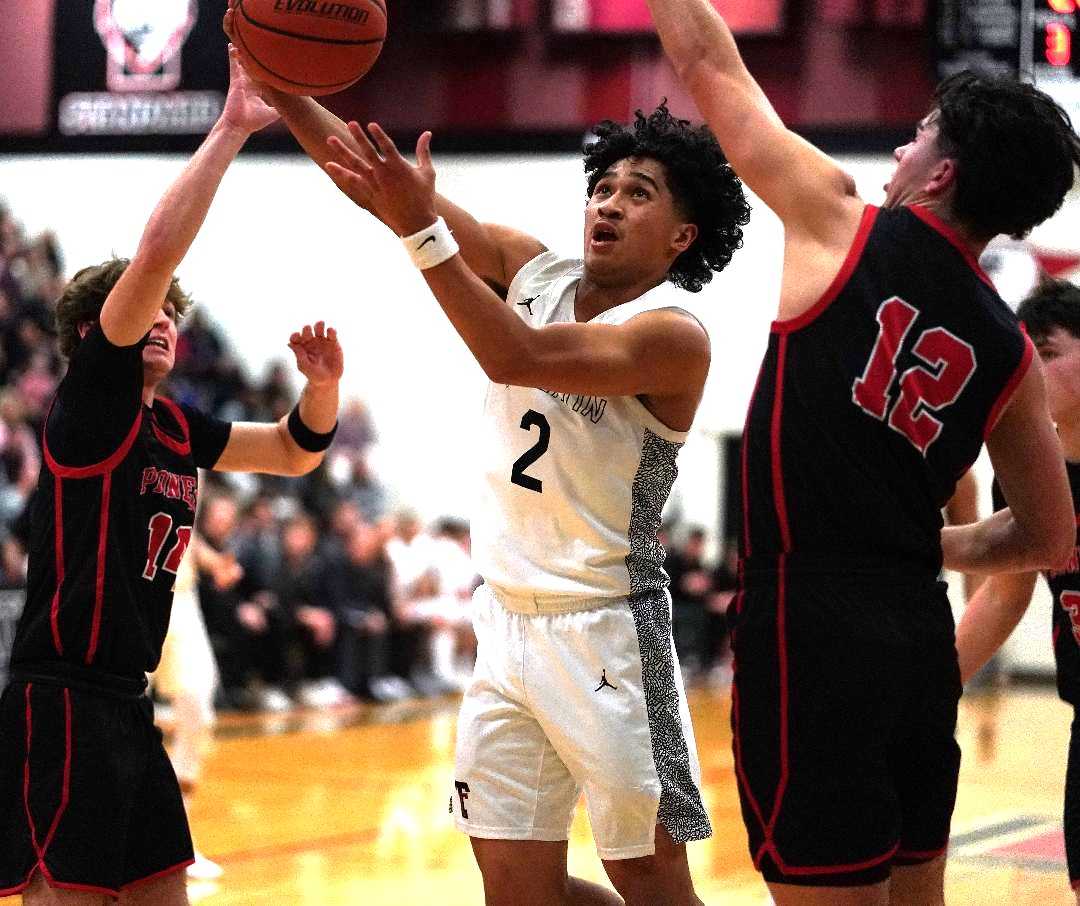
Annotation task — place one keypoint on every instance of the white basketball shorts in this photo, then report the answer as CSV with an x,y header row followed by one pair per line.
x,y
561,702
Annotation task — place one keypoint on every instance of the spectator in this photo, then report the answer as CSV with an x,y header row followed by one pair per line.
x,y
247,629
301,587
691,589
363,589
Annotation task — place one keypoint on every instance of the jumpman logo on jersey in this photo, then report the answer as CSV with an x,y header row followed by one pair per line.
x,y
604,682
528,304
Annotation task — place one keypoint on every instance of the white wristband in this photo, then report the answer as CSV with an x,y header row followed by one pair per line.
x,y
431,246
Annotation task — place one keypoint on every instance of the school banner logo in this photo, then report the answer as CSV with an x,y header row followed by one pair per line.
x,y
143,40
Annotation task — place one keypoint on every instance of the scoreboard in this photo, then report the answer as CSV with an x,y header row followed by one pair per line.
x,y
1035,39
1055,59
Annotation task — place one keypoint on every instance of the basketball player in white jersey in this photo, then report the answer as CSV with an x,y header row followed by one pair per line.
x,y
596,372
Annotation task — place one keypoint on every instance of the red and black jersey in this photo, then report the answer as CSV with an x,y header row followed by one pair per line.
x,y
110,519
871,404
1065,591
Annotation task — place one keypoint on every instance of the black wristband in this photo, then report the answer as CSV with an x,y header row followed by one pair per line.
x,y
305,438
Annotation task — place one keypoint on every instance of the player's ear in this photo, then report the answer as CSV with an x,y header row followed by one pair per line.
x,y
942,176
684,237
84,328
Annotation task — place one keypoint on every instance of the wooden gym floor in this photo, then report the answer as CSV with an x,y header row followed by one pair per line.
x,y
350,807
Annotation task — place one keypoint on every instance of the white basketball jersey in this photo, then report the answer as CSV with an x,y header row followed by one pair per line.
x,y
573,486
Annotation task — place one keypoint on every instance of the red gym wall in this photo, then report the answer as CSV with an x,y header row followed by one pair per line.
x,y
836,63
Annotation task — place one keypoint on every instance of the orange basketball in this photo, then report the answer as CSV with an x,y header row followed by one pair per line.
x,y
310,46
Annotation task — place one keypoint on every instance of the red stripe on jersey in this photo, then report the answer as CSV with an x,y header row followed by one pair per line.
x,y
99,579
183,449
851,261
938,225
745,456
98,468
777,465
58,538
1010,387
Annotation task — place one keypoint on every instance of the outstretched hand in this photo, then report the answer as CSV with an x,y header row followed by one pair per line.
x,y
318,354
378,178
244,106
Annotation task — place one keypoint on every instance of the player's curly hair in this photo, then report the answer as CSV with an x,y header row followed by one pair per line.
x,y
1015,148
84,296
1052,304
708,192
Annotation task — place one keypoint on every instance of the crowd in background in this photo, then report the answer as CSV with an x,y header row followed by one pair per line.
x,y
338,591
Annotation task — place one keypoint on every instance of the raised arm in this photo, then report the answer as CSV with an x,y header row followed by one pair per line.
x,y
662,353
806,188
494,253
297,443
1038,529
130,309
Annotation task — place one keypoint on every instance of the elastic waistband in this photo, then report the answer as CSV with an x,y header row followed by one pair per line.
x,y
516,602
765,570
72,676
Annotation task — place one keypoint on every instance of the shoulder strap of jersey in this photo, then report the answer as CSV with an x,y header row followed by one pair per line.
x,y
664,296
531,291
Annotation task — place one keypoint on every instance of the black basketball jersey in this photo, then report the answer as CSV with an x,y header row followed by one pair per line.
x,y
111,517
1065,591
871,404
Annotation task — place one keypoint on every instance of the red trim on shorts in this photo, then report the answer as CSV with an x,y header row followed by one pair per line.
x,y
1010,388
851,261
99,579
740,771
834,869
58,538
781,647
157,875
18,888
98,468
90,888
925,856
183,449
26,774
938,225
65,792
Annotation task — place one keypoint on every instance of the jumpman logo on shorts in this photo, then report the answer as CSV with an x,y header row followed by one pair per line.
x,y
604,682
528,304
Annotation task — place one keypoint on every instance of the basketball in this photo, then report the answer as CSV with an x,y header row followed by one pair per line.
x,y
310,47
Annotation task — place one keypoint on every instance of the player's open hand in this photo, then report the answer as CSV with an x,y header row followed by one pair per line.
x,y
318,354
399,193
245,108
267,92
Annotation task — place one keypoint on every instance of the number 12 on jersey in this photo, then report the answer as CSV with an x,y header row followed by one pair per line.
x,y
160,526
948,364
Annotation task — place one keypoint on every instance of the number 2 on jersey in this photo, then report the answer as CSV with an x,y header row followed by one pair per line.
x,y
529,420
160,526
948,364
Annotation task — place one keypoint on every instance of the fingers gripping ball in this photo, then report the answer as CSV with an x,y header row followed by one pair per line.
x,y
310,47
